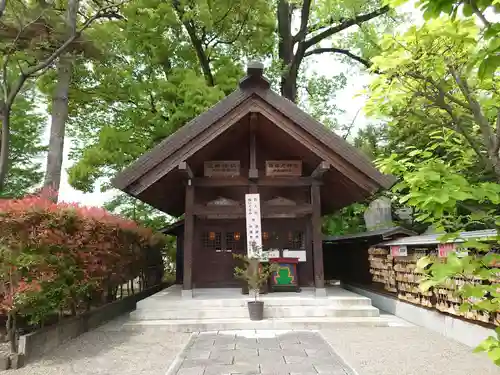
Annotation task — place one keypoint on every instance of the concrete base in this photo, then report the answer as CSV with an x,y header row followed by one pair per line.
x,y
226,308
467,333
320,292
203,325
187,294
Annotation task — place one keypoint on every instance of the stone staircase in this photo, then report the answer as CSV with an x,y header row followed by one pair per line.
x,y
223,309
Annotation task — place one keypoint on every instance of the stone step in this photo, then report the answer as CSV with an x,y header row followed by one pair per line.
x,y
194,325
159,302
242,312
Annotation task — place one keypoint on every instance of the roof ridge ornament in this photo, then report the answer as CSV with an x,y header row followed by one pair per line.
x,y
255,76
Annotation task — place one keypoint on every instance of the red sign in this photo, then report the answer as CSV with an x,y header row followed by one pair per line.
x,y
445,248
399,251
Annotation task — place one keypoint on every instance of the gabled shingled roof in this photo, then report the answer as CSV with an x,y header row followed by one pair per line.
x,y
255,94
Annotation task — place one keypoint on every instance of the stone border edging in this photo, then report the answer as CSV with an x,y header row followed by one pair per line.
x,y
177,362
346,363
467,333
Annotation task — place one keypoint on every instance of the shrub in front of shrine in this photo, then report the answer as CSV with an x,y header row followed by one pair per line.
x,y
58,259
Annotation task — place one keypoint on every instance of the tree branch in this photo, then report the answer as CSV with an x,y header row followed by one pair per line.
x,y
440,89
41,66
497,138
238,34
476,110
356,20
197,44
304,19
479,14
359,59
3,4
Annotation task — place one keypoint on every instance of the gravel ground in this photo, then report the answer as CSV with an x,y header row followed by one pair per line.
x,y
111,350
115,350
406,351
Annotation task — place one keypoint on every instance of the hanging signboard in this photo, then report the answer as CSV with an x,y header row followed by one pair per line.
x,y
399,251
281,168
253,220
228,168
445,248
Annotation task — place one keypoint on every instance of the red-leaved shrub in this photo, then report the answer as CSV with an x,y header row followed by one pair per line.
x,y
61,257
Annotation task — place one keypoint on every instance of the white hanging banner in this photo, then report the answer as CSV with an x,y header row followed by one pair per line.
x,y
253,219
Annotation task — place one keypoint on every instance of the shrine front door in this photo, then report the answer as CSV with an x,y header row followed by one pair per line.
x,y
214,248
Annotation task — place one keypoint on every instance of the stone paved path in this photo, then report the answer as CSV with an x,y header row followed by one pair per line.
x,y
259,352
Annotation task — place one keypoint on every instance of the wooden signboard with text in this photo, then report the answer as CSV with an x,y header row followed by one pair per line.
x,y
282,168
229,168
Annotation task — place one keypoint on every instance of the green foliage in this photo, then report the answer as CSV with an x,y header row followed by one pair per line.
x,y
482,10
435,187
346,221
447,158
26,149
142,213
427,83
253,272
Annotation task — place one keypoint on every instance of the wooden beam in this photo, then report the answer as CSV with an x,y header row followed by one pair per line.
x,y
263,181
184,166
320,169
267,210
187,283
220,182
253,172
317,237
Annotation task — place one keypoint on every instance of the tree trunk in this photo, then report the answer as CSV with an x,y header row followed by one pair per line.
x,y
4,144
58,124
285,51
60,107
11,331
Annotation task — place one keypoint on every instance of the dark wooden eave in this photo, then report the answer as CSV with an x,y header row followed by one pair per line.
x,y
253,95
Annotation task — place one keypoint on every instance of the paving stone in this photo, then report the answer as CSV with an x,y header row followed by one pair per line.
x,y
321,352
191,371
246,333
331,369
202,345
224,340
197,354
268,343
231,369
226,357
283,352
295,359
294,352
206,362
292,338
268,354
291,345
260,360
219,347
287,368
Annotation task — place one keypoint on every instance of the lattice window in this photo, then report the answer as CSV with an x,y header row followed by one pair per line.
x,y
296,240
212,240
233,241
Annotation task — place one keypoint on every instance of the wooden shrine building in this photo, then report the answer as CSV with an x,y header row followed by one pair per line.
x,y
253,141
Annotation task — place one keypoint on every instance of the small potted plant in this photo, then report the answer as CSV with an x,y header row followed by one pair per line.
x,y
239,272
255,274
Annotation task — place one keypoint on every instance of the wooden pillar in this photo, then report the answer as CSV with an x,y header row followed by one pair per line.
x,y
253,172
317,237
187,284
